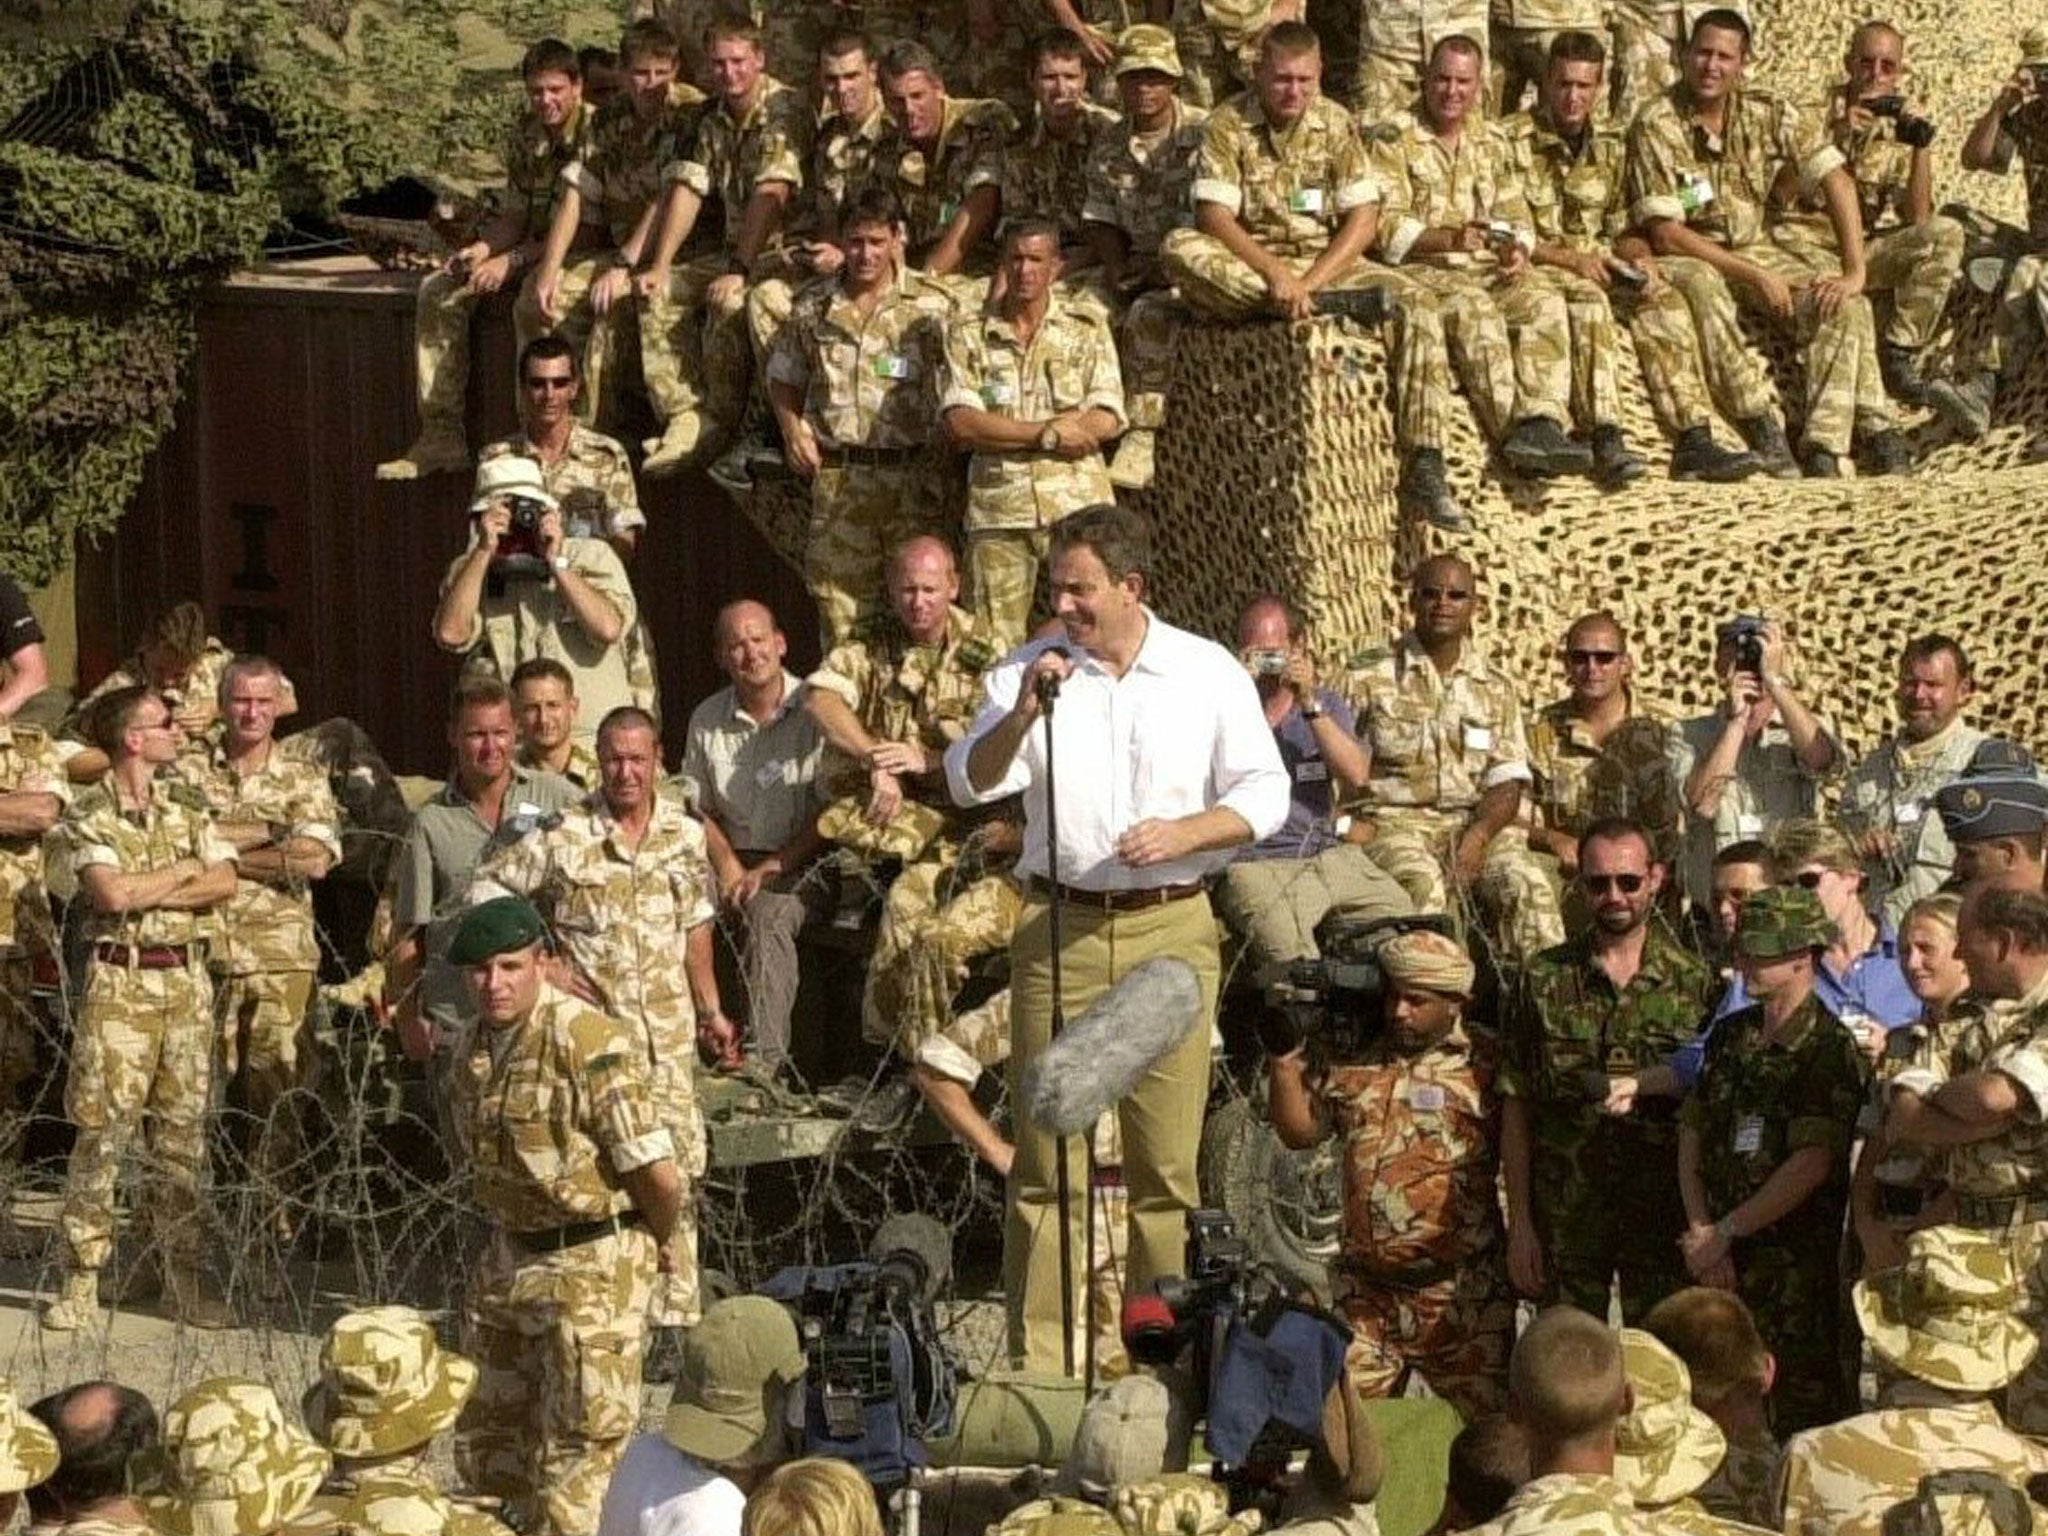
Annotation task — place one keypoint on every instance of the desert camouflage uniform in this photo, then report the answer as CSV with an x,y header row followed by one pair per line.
x,y
1218,44
1421,1275
1673,163
912,1001
1648,37
1892,790
1843,1479
534,162
29,765
1014,498
388,1501
268,955
1292,190
142,1047
1394,42
1605,1187
580,768
1917,264
1143,189
2022,314
593,480
1754,1107
1579,781
1510,338
623,916
1576,198
618,173
1520,34
706,373
2001,1183
1437,744
1568,1504
558,1106
1745,1486
967,155
869,381
1046,177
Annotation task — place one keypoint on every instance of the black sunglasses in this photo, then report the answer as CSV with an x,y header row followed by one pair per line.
x,y
1592,658
1627,884
1810,878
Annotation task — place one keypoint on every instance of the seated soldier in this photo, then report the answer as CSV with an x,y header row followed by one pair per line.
x,y
1732,1372
942,157
1285,208
1567,160
1456,223
1702,163
613,187
749,155
1045,163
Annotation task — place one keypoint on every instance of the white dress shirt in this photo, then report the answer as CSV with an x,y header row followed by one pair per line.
x,y
1180,732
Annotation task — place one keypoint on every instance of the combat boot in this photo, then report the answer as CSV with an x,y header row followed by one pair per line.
x,y
1615,464
1539,449
77,1305
1819,464
1765,435
194,1302
679,443
1965,406
1425,493
438,450
1885,453
1131,467
1696,456
1899,366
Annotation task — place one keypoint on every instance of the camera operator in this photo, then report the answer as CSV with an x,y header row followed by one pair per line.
x,y
1422,1276
524,588
1277,890
1754,763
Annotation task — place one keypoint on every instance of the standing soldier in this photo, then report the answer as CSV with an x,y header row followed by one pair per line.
x,y
853,381
150,870
279,815
1763,1154
547,137
626,887
33,794
1591,1162
544,698
578,1177
1396,40
1420,1277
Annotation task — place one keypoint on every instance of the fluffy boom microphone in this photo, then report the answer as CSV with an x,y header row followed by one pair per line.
x,y
1102,1055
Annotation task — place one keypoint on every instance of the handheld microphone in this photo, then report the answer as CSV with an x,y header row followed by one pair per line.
x,y
1045,685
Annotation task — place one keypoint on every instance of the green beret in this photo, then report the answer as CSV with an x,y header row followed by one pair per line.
x,y
1782,920
496,927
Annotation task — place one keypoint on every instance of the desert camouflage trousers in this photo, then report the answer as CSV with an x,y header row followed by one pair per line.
x,y
1917,266
694,355
1455,1333
678,1295
1275,904
860,513
1735,380
1216,283
1646,38
141,1061
930,934
440,343
1003,566
1515,891
1145,338
262,1023
606,374
557,1338
1510,342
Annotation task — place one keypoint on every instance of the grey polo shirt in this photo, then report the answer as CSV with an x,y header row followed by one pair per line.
x,y
758,779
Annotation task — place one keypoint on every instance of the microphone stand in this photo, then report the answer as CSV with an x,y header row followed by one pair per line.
x,y
1048,693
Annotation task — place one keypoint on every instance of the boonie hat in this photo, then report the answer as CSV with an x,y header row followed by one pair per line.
x,y
28,1451
1129,1431
1434,962
2034,45
1782,920
1948,1314
1665,1448
739,1351
1055,1517
1146,46
496,927
385,1385
229,1463
1977,809
1179,1504
510,476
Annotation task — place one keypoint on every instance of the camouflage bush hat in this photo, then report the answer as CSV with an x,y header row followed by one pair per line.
x,y
1055,1517
1431,961
229,1463
496,927
510,476
385,1385
1782,920
1179,1504
1129,1431
733,1359
1145,46
1948,1314
1666,1448
28,1451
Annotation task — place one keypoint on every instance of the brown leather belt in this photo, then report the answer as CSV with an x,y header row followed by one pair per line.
x,y
832,457
1140,899
163,957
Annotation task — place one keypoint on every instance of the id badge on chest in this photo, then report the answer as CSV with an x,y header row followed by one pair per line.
x,y
1426,1098
1749,1135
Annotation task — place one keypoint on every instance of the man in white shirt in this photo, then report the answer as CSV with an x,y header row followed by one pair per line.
x,y
1165,763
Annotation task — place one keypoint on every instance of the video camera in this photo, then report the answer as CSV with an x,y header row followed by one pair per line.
x,y
519,553
1336,1002
1915,132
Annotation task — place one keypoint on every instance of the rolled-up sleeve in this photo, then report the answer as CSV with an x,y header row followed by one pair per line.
x,y
999,697
1245,772
2026,1065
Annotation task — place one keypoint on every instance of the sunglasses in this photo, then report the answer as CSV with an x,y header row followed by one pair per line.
x,y
1627,884
1592,658
1811,878
1447,594
551,383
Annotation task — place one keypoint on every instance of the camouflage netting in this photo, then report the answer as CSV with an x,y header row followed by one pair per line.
x,y
148,149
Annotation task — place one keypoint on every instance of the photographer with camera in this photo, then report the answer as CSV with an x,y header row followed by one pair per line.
x,y
524,588
1277,890
1421,1277
1757,761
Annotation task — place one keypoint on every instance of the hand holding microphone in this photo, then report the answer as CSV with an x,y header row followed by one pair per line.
x,y
1042,680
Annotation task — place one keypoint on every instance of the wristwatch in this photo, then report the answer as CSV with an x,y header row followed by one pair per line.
x,y
1049,439
561,562
1311,711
